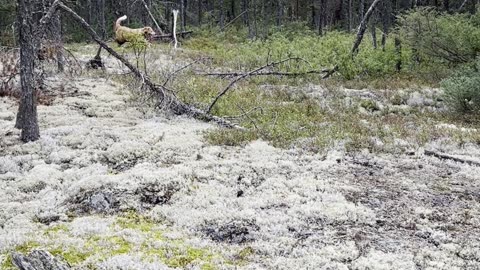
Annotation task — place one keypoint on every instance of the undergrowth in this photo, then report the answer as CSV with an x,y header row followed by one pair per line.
x,y
280,109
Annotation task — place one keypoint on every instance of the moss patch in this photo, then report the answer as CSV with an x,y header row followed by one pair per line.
x,y
88,251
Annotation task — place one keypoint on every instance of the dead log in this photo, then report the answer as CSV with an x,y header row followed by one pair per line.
x,y
164,94
453,158
183,34
38,260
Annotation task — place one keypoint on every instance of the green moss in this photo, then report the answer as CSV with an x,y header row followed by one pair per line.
x,y
7,263
56,229
369,105
27,247
132,220
184,258
71,255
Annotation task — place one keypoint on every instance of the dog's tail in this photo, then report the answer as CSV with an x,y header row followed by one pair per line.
x,y
119,21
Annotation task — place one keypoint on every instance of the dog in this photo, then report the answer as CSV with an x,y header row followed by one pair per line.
x,y
124,34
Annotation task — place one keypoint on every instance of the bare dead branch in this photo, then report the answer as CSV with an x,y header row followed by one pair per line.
x,y
248,74
270,73
172,75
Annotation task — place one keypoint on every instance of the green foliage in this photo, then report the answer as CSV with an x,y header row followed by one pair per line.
x,y
233,49
462,92
437,37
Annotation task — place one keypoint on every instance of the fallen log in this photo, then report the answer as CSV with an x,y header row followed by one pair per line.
x,y
38,260
166,95
183,34
453,158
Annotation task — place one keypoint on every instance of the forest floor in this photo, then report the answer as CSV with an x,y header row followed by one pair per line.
x,y
114,185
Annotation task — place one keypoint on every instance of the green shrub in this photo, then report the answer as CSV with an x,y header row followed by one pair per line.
x,y
462,92
441,37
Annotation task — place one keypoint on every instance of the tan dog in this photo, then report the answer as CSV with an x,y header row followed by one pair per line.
x,y
124,34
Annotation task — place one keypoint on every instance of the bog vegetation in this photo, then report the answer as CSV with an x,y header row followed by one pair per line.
x,y
297,105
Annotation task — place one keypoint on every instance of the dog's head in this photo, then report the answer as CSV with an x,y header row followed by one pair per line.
x,y
148,32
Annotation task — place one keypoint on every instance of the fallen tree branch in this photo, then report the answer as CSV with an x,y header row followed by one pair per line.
x,y
270,73
234,19
165,95
453,158
179,70
245,75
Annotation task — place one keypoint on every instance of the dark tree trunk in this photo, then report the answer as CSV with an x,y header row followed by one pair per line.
x,y
200,12
321,16
279,12
184,14
398,50
27,113
232,10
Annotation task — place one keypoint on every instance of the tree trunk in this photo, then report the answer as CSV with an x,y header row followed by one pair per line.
x,y
222,14
57,37
27,113
279,12
101,19
398,50
184,15
200,12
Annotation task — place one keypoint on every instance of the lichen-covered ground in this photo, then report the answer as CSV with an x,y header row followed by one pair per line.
x,y
111,185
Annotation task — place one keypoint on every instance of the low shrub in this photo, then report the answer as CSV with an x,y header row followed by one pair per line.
x,y
462,92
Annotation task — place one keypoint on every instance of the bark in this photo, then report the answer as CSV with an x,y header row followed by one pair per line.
x,y
363,27
27,119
